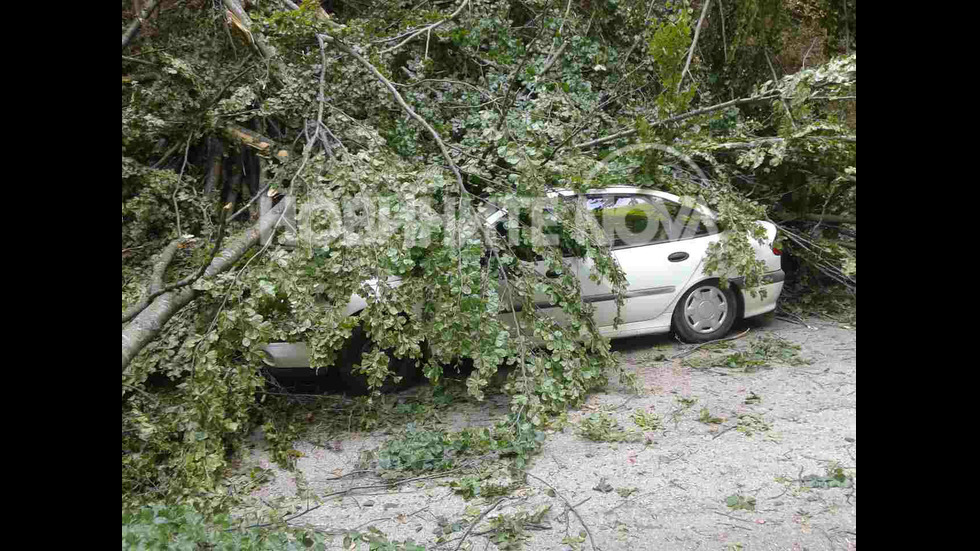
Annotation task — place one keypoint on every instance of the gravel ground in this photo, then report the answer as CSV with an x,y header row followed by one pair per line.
x,y
682,478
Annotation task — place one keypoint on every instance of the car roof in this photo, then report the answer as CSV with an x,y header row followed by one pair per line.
x,y
615,190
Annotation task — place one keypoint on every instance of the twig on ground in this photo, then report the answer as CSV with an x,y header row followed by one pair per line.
x,y
572,508
478,519
732,517
576,505
724,431
688,352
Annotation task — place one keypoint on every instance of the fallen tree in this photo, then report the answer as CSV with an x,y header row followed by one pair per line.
x,y
430,119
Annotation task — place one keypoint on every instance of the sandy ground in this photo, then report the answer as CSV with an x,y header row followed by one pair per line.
x,y
682,479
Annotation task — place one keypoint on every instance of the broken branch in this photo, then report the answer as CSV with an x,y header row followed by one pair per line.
x,y
148,324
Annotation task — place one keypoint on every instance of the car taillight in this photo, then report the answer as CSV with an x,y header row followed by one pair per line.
x,y
776,251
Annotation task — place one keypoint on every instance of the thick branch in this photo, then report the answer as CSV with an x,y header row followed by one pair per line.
x,y
134,27
689,114
156,285
148,324
551,60
763,141
235,7
830,218
262,145
694,43
156,280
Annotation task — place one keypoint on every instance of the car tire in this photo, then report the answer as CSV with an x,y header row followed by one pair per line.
x,y
357,383
706,312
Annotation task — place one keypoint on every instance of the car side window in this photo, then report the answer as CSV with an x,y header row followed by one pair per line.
x,y
630,220
550,228
637,220
685,221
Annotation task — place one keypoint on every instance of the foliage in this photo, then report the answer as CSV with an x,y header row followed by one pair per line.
x,y
835,477
182,527
427,450
377,541
764,351
706,417
603,427
751,423
646,420
738,501
472,486
509,529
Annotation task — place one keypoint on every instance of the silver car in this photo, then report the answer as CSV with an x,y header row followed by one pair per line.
x,y
659,241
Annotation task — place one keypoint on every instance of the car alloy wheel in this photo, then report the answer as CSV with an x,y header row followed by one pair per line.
x,y
705,313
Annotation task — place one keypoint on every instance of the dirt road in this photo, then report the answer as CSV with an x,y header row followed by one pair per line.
x,y
745,457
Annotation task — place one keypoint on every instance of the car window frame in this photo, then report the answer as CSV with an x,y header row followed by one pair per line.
x,y
646,198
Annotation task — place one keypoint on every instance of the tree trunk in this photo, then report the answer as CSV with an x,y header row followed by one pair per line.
x,y
148,324
252,168
213,177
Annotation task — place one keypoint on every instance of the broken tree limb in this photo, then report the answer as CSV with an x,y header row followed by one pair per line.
x,y
238,17
764,141
213,176
265,147
694,43
148,324
682,116
134,27
831,218
156,279
156,284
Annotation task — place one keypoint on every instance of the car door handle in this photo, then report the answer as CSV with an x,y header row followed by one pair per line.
x,y
678,257
552,274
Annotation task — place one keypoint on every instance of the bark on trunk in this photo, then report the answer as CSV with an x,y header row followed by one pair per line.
x,y
148,324
265,205
156,279
252,167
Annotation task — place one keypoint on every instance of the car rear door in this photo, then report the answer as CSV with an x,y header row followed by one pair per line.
x,y
659,245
